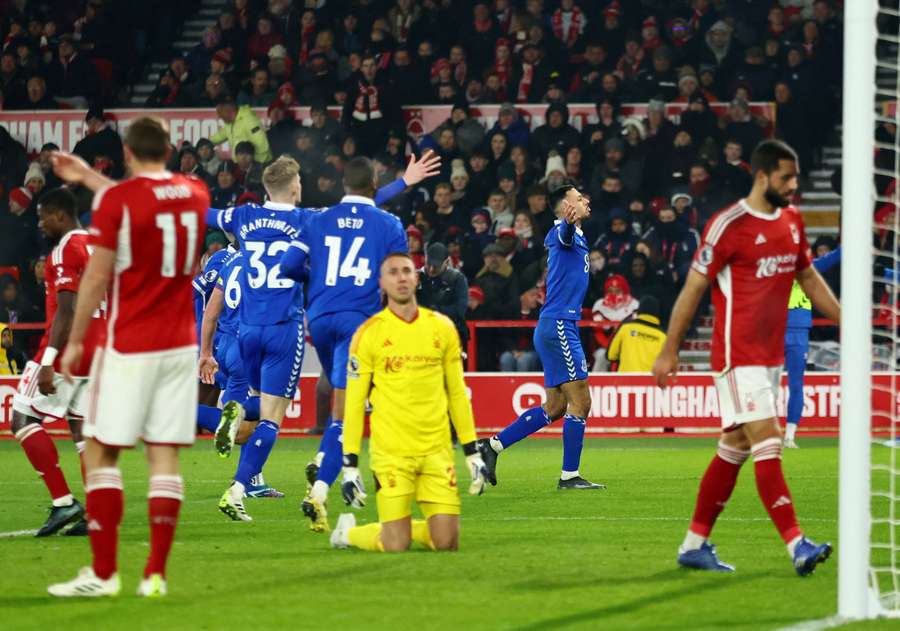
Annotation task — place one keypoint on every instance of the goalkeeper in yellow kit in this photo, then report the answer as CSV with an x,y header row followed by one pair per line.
x,y
406,361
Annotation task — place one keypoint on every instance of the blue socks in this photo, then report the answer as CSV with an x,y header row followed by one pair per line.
x,y
527,424
256,451
573,440
208,417
333,448
251,408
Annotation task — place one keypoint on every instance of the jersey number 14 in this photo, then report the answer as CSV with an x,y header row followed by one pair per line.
x,y
351,267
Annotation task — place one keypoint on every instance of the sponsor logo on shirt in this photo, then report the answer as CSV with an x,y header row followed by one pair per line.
x,y
768,266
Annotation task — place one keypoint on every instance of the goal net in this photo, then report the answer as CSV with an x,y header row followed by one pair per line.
x,y
869,539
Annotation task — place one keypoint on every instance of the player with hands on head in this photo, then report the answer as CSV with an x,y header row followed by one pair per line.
x,y
750,255
407,361
558,344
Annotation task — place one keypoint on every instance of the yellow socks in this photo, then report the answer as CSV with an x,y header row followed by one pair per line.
x,y
366,537
421,534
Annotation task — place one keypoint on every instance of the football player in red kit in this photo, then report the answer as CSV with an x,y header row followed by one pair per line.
x,y
750,255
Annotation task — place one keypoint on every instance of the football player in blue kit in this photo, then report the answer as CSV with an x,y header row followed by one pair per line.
x,y
344,246
220,360
203,285
271,332
557,342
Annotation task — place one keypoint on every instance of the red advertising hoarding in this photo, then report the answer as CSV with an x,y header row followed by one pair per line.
x,y
620,404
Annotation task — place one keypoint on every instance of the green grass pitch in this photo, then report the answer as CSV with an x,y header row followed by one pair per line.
x,y
530,557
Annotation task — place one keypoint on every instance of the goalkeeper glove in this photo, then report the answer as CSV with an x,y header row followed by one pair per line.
x,y
478,471
352,488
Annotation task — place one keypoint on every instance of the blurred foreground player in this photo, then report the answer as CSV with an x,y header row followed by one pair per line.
x,y
558,344
407,361
751,253
42,390
147,233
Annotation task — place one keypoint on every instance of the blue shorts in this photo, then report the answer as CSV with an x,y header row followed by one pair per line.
x,y
331,335
272,356
231,369
559,347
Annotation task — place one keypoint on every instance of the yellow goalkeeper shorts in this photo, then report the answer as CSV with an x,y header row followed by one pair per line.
x,y
430,480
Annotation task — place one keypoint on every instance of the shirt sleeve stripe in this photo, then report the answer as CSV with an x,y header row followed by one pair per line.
x,y
300,245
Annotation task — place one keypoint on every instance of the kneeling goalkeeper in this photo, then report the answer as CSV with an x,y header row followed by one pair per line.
x,y
406,360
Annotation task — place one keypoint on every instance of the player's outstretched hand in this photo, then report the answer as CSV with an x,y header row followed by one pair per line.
x,y
418,170
352,488
45,380
71,357
69,167
479,474
665,368
208,369
570,214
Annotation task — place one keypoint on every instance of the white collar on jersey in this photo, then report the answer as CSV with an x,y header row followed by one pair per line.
x,y
278,206
357,199
154,175
577,229
759,215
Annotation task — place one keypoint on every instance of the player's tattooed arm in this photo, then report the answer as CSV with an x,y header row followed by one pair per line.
x,y
666,364
819,293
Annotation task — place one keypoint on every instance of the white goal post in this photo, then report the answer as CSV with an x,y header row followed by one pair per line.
x,y
869,532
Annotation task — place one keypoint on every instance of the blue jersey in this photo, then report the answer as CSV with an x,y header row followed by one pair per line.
x,y
264,233
345,246
205,282
799,306
567,272
230,283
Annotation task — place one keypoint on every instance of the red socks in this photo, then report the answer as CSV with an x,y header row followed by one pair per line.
x,y
42,454
716,487
164,502
105,503
773,490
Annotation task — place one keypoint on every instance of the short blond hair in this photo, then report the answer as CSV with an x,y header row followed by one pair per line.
x,y
279,175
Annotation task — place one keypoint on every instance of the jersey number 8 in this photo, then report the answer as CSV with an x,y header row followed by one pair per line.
x,y
260,275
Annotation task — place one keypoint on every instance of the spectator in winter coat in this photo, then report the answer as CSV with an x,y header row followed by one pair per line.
x,y
556,134
498,282
618,241
520,355
12,360
510,123
674,241
241,124
443,289
102,146
616,305
226,191
370,110
637,343
72,77
720,49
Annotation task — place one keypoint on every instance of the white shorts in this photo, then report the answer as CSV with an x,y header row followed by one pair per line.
x,y
152,397
69,400
747,394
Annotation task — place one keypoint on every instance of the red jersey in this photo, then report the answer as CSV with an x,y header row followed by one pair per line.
x,y
155,223
64,270
752,259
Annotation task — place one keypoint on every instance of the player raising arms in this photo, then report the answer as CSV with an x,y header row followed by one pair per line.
x,y
147,232
407,361
751,253
42,390
343,246
557,342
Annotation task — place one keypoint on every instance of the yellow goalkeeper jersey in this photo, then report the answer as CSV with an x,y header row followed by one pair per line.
x,y
412,374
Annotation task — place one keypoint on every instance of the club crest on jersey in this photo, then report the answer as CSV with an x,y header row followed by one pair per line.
x,y
795,234
706,254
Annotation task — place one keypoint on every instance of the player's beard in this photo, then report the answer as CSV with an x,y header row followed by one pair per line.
x,y
776,199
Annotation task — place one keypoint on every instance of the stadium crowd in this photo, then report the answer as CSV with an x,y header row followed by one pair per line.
x,y
653,180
